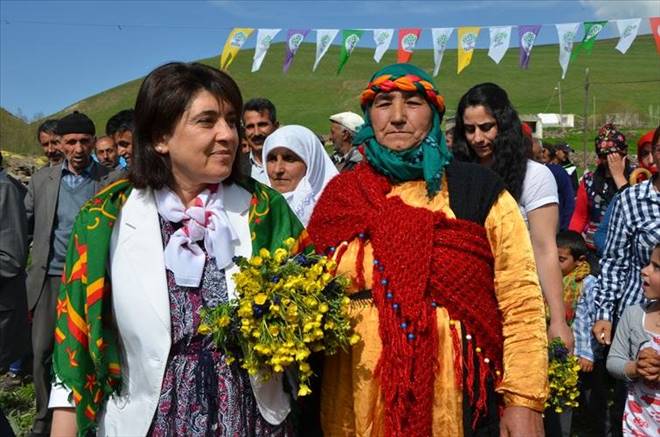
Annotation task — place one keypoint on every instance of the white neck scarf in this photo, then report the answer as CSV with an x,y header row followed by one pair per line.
x,y
320,169
205,220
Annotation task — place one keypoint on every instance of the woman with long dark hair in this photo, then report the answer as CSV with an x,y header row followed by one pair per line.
x,y
489,129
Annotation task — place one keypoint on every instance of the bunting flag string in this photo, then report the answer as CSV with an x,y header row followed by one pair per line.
x,y
440,39
350,41
235,41
591,31
654,22
294,38
264,39
526,37
627,33
566,33
467,41
407,41
500,38
383,39
324,38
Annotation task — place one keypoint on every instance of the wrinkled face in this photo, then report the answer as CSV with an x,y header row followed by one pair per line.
x,y
124,142
646,158
651,276
480,132
567,262
106,152
257,127
337,135
50,143
77,149
204,142
400,120
285,169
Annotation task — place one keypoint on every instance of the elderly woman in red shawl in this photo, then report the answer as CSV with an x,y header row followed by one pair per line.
x,y
445,294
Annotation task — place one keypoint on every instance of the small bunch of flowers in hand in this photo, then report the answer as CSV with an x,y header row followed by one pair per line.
x,y
289,305
563,375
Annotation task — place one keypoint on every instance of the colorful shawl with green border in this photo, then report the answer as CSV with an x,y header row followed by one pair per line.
x,y
86,355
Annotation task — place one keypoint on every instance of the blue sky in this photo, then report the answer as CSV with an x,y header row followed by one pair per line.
x,y
55,53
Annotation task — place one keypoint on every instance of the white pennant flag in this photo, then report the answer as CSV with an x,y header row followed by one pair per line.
x,y
382,38
440,39
627,33
566,33
324,38
264,39
500,38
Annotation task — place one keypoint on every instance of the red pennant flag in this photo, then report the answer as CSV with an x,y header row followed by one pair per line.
x,y
655,30
407,40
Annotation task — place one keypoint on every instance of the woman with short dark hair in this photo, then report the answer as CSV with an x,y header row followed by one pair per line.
x,y
147,255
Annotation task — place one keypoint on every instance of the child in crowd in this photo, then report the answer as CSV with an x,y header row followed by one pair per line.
x,y
578,295
635,355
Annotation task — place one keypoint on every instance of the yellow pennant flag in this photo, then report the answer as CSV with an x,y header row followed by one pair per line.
x,y
235,41
467,41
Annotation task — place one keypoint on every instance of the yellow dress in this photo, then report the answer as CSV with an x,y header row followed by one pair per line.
x,y
351,404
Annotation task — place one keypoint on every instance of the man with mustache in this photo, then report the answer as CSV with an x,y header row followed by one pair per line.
x,y
50,142
55,195
259,121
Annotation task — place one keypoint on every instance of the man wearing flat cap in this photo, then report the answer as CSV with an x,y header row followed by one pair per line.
x,y
343,127
54,197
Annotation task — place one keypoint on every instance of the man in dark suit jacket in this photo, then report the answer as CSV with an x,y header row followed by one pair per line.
x,y
55,195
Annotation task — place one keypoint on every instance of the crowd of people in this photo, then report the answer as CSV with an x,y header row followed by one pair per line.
x,y
467,249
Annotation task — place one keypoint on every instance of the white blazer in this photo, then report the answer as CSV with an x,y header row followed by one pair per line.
x,y
141,308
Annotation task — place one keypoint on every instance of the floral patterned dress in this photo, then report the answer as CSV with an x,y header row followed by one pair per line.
x,y
201,394
641,417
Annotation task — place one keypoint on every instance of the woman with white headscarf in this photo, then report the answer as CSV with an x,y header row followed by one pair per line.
x,y
298,167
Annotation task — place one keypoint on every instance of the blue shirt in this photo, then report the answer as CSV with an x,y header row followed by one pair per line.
x,y
586,345
566,194
73,180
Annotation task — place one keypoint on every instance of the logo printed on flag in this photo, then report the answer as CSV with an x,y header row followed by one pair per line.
x,y
469,41
442,41
629,30
238,40
408,42
382,37
498,39
528,41
325,41
265,43
567,41
351,42
295,40
595,29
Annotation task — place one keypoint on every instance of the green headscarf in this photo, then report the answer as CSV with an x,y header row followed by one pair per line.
x,y
425,161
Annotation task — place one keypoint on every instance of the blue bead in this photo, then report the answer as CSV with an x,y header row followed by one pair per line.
x,y
389,295
383,281
404,325
411,336
332,248
434,304
361,235
395,306
381,268
376,262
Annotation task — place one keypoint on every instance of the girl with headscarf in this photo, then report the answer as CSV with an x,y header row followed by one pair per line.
x,y
444,293
298,167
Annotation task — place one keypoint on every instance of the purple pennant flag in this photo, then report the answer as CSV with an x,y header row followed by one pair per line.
x,y
526,36
294,38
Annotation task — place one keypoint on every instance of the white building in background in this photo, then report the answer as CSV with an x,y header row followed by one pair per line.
x,y
543,120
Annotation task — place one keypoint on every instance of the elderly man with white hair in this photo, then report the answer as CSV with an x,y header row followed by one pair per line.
x,y
343,127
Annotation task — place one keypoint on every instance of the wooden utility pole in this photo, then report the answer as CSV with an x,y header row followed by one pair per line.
x,y
561,108
594,113
586,111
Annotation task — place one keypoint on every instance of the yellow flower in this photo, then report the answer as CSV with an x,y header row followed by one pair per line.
x,y
256,261
229,359
289,242
280,255
278,368
224,321
304,367
304,390
354,339
264,253
323,308
274,330
260,298
204,329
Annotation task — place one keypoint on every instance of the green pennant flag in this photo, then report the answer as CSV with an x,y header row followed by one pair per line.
x,y
591,31
350,40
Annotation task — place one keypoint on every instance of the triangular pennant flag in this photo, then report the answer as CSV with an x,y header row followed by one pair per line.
x,y
407,40
264,39
324,38
235,41
500,38
566,34
591,31
440,39
383,39
294,38
654,22
526,36
350,40
627,33
467,41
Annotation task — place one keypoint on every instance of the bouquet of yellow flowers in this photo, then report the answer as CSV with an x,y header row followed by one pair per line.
x,y
288,306
563,375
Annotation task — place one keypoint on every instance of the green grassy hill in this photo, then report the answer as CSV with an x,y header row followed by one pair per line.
x,y
621,83
15,134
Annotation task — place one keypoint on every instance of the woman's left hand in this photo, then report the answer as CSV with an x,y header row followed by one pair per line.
x,y
561,329
521,422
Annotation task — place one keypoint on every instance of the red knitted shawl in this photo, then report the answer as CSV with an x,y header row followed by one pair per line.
x,y
422,260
